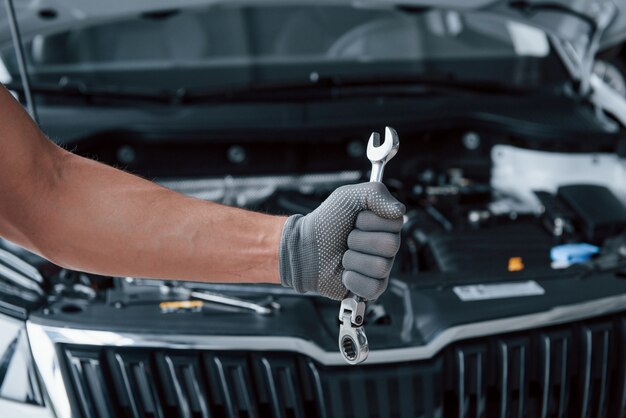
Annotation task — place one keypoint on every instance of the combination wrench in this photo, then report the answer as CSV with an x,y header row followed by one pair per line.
x,y
353,343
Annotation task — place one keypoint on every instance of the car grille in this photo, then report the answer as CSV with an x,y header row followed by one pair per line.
x,y
575,370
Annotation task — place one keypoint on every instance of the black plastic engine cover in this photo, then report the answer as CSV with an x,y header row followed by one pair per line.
x,y
600,213
494,250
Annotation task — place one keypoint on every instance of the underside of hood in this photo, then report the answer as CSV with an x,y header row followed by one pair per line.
x,y
569,20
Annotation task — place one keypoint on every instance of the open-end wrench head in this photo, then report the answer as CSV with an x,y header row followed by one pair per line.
x,y
392,136
385,151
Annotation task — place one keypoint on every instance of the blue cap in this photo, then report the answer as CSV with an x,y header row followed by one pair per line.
x,y
573,253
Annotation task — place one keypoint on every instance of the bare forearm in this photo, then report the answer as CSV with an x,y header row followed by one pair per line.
x,y
109,222
91,217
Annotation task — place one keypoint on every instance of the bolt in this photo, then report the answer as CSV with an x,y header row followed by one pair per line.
x,y
126,154
356,149
474,216
471,140
236,154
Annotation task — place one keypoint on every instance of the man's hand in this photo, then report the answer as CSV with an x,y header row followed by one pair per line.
x,y
348,243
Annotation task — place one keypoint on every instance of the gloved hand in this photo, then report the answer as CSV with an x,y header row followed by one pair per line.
x,y
348,243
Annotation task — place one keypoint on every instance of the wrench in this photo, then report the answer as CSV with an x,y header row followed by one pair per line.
x,y
352,339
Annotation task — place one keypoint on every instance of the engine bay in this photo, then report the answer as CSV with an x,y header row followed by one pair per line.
x,y
481,208
493,212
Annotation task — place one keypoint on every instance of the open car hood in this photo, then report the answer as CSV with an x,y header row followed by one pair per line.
x,y
569,20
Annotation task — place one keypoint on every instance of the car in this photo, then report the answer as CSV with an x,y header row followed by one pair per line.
x,y
508,295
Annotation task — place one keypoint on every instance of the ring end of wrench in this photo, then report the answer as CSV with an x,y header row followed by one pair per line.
x,y
353,343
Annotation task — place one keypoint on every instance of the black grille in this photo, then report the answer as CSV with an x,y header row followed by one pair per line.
x,y
576,370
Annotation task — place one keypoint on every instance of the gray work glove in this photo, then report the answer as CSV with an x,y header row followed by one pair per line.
x,y
348,243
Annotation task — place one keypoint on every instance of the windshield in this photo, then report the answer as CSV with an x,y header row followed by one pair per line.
x,y
238,45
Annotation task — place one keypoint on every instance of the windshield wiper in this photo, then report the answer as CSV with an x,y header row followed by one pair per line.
x,y
323,88
101,92
348,87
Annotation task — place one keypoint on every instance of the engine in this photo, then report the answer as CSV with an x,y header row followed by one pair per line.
x,y
460,220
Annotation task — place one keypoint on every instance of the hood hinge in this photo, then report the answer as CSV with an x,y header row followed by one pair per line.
x,y
579,55
579,59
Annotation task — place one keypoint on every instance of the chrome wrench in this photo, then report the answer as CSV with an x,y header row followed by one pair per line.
x,y
352,339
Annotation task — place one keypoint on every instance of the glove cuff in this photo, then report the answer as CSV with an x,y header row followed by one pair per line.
x,y
288,265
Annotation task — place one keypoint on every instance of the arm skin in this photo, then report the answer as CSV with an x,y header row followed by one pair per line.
x,y
87,216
